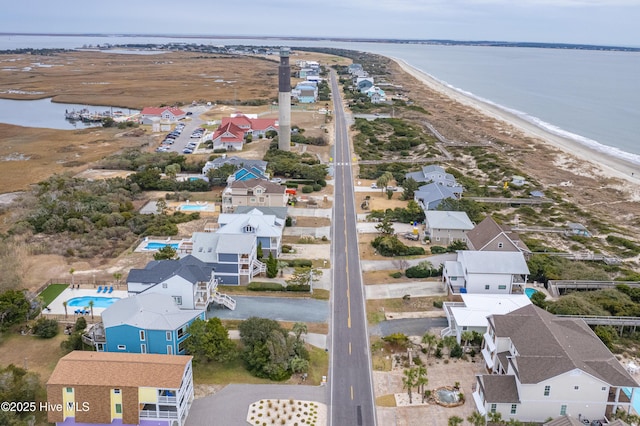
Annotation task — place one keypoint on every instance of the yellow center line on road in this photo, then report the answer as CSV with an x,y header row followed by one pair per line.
x,y
352,393
349,348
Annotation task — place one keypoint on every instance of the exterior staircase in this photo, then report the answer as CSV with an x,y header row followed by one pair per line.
x,y
224,300
258,267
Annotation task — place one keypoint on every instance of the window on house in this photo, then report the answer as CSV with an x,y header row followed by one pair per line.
x,y
514,407
493,408
181,332
487,287
122,347
143,348
119,408
177,300
502,287
563,410
261,199
603,388
169,350
69,390
182,346
576,387
253,199
169,337
116,391
500,245
142,335
164,285
100,347
547,390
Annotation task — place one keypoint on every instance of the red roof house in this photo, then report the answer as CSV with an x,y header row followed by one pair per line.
x,y
166,113
228,136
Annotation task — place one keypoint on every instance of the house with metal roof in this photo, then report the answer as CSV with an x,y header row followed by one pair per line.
x,y
105,388
267,228
471,314
279,212
486,272
445,227
146,323
433,173
431,195
238,162
489,235
541,366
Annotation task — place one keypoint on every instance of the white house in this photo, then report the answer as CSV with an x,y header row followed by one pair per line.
x,y
541,366
267,228
170,114
486,272
471,314
445,227
433,173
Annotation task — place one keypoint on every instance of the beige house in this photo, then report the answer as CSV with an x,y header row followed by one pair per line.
x,y
488,235
120,388
253,192
540,366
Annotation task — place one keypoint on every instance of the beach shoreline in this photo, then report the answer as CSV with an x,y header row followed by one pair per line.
x,y
610,166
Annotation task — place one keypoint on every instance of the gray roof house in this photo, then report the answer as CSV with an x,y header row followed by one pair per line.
x,y
486,272
445,227
267,228
541,366
430,196
189,280
489,235
433,173
279,212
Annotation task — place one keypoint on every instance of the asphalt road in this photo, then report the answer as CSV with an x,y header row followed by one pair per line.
x,y
351,399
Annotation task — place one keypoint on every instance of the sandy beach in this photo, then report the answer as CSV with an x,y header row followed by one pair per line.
x,y
610,166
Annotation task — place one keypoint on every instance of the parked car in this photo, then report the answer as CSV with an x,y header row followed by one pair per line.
x,y
374,186
411,236
187,151
392,188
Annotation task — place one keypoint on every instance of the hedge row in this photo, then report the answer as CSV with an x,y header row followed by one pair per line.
x,y
264,286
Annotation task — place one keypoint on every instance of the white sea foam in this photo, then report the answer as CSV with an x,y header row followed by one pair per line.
x,y
548,127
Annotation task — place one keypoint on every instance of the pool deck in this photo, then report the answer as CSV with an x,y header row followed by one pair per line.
x,y
141,247
56,307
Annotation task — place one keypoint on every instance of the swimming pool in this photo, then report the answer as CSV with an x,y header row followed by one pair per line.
x,y
635,401
529,292
158,246
193,207
98,302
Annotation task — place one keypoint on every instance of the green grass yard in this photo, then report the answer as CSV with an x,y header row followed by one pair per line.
x,y
50,293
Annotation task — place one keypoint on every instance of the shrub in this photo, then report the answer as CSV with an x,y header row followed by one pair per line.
x,y
263,286
298,288
437,304
390,245
288,222
438,249
307,189
397,274
286,248
45,328
300,263
317,187
418,272
80,325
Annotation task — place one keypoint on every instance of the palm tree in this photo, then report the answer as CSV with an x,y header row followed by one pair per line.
x,y
409,381
383,180
91,303
117,276
71,271
299,329
495,417
477,419
466,337
429,340
421,380
454,421
64,304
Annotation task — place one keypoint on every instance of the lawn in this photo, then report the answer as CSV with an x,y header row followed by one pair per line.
x,y
37,355
50,293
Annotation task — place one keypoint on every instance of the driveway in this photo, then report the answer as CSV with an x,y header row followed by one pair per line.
x,y
398,290
275,308
408,326
387,265
229,407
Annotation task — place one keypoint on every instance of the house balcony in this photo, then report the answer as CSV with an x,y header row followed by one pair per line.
x,y
478,400
489,342
488,359
95,335
158,414
167,400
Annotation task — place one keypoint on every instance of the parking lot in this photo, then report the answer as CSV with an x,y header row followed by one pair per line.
x,y
186,135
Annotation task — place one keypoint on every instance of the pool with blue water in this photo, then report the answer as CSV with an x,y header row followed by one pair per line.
x,y
98,302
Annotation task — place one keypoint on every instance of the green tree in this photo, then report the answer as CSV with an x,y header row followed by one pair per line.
x,y
304,276
209,341
20,385
45,328
454,421
429,340
91,304
259,252
80,325
466,337
172,170
495,417
538,299
14,308
384,180
219,176
385,227
299,329
409,186
64,305
272,266
389,194
165,253
161,206
421,381
409,381
477,419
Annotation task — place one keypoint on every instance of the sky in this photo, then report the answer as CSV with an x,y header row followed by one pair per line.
x,y
601,22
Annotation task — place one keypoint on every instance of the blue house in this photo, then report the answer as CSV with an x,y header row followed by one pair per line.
x,y
246,173
146,323
430,196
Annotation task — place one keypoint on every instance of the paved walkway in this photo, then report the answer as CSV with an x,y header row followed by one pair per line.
x,y
314,231
398,290
295,211
314,339
229,406
275,308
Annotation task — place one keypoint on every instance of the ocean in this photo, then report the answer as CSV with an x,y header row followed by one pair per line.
x,y
590,96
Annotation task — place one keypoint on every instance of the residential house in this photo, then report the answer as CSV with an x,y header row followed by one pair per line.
x,y
486,272
279,212
105,388
489,235
541,366
189,280
251,125
146,323
253,192
431,195
233,257
434,173
267,228
238,162
354,68
164,113
518,180
471,314
445,227
228,136
364,83
376,95
305,92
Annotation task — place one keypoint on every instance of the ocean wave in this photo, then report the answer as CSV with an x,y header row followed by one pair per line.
x,y
548,127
